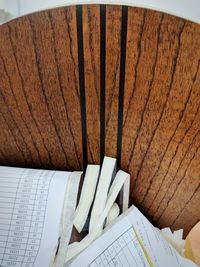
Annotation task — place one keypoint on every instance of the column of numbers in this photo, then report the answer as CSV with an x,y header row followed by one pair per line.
x,y
20,222
37,221
8,197
21,238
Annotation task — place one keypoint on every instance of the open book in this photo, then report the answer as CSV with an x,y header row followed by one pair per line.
x,y
131,242
36,207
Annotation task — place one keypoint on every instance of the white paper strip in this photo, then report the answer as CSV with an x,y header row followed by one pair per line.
x,y
124,195
106,175
87,196
113,214
67,215
116,186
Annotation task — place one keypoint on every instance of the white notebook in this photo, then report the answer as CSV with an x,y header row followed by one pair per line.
x,y
31,214
132,241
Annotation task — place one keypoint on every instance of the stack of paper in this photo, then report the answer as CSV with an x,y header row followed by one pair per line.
x,y
127,240
131,241
38,211
97,203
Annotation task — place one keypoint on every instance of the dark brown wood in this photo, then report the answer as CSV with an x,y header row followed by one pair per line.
x,y
40,101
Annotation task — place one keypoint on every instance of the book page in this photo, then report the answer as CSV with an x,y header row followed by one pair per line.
x,y
133,242
31,204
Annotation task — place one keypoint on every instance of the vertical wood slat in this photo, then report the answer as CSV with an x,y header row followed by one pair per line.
x,y
102,78
137,94
64,25
113,41
124,25
62,98
81,66
91,44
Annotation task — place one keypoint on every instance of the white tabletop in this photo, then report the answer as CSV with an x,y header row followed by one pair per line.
x,y
189,9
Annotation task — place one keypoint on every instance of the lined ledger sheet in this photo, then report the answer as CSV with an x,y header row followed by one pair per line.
x,y
131,242
31,204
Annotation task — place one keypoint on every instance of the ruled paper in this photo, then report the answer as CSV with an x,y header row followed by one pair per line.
x,y
131,242
31,204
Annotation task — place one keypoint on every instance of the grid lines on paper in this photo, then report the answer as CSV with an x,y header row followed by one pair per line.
x,y
124,251
22,215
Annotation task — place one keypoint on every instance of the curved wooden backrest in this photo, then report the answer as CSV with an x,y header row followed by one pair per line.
x,y
80,82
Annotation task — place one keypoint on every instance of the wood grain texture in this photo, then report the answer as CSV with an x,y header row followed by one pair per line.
x,y
113,34
58,112
40,86
91,44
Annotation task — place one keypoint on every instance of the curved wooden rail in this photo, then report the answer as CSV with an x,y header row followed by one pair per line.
x,y
80,82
